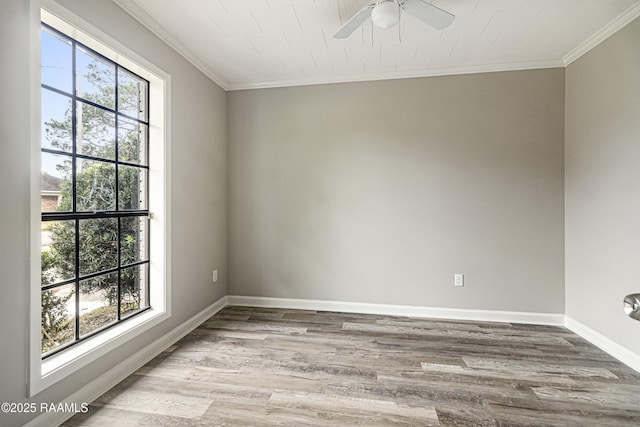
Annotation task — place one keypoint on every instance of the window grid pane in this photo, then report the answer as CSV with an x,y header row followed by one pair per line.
x,y
95,180
95,131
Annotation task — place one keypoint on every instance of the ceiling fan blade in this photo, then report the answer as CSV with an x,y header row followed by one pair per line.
x,y
354,23
428,13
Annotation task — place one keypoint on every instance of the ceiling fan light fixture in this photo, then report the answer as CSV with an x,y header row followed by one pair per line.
x,y
385,14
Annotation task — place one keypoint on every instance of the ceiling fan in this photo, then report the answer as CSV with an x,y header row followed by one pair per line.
x,y
386,14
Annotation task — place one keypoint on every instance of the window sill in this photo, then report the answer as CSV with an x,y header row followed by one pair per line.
x,y
60,365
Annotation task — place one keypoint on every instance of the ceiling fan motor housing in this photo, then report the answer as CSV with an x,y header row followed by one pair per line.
x,y
385,14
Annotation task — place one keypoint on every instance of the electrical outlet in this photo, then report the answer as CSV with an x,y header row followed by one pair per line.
x,y
215,276
458,280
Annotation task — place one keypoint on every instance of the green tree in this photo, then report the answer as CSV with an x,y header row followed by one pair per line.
x,y
95,185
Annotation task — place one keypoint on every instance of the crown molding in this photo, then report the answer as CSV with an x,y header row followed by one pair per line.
x,y
427,72
611,28
604,33
152,25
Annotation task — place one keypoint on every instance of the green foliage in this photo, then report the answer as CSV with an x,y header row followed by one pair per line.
x,y
56,327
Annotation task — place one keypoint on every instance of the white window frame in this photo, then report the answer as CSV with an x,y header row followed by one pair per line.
x,y
44,373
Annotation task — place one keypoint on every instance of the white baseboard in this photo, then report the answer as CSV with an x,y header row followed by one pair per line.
x,y
614,349
109,379
106,381
554,319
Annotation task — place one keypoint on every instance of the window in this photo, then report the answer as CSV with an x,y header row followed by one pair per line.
x,y
100,195
94,145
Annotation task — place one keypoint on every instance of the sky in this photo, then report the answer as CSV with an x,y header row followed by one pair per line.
x,y
56,71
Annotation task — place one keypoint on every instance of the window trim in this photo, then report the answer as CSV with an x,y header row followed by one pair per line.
x,y
44,373
77,216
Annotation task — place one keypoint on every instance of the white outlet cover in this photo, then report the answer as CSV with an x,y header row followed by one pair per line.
x,y
458,279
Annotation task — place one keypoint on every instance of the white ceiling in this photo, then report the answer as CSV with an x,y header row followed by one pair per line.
x,y
266,43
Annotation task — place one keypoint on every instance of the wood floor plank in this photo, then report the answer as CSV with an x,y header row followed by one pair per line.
x,y
281,367
617,396
535,368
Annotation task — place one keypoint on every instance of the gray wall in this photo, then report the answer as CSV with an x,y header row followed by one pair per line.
x,y
379,192
602,185
198,166
369,192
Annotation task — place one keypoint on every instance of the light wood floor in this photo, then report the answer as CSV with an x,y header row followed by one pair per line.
x,y
268,367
